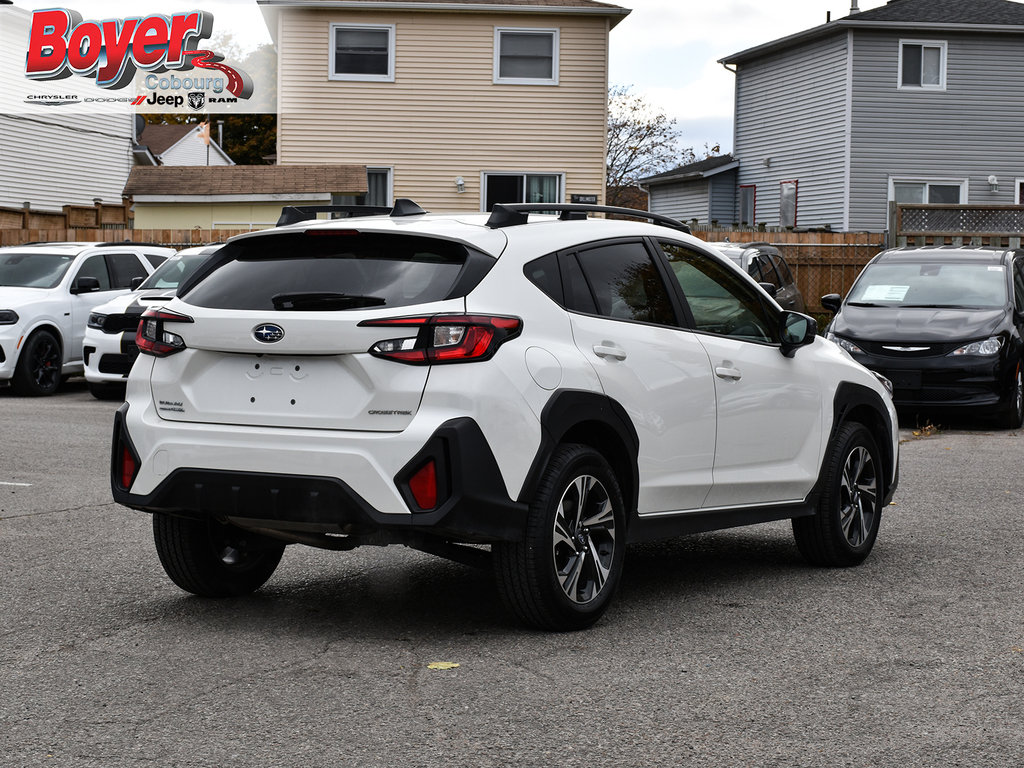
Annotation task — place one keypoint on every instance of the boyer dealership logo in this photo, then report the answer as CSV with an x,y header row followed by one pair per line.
x,y
112,51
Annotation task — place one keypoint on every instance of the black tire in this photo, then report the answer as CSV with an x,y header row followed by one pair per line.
x,y
1012,415
38,370
563,575
211,559
105,390
844,529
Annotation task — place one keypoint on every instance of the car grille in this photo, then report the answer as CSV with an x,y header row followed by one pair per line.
x,y
121,323
929,350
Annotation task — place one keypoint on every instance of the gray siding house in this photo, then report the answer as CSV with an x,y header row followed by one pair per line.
x,y
916,101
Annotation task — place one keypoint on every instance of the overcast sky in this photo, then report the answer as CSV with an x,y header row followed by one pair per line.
x,y
668,50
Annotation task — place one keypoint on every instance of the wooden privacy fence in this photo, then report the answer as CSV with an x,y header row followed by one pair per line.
x,y
822,262
174,238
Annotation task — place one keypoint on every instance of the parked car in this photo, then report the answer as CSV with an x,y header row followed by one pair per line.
x,y
943,324
551,386
47,291
109,348
765,264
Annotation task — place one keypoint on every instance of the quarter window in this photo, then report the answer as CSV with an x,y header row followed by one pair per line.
x,y
923,64
720,302
363,52
526,56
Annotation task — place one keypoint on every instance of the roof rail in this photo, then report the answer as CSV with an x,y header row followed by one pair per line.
x,y
512,214
291,214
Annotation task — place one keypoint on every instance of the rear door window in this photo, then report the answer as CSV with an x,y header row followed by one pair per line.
x,y
622,281
332,271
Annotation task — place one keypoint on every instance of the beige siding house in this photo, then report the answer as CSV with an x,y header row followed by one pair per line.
x,y
456,104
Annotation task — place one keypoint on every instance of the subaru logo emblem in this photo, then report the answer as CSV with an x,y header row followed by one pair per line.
x,y
268,333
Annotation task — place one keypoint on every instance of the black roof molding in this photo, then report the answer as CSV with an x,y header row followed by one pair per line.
x,y
291,214
514,214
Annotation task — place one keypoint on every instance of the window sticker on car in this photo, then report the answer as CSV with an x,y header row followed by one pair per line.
x,y
995,269
885,292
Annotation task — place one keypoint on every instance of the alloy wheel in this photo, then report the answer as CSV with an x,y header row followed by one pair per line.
x,y
858,496
584,540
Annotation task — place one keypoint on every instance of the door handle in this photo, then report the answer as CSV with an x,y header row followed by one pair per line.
x,y
732,374
608,349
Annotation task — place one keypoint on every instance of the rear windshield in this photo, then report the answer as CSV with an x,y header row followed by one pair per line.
x,y
930,285
330,271
33,270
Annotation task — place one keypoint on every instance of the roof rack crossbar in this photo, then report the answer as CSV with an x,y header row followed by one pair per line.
x,y
512,214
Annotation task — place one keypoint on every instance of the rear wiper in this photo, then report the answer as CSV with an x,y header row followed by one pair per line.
x,y
300,301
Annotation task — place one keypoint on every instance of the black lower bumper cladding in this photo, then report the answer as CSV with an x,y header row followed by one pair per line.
x,y
476,507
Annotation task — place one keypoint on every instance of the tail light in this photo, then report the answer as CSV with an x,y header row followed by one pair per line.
x,y
153,338
445,338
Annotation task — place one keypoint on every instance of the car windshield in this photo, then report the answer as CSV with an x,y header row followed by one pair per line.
x,y
170,274
33,270
930,285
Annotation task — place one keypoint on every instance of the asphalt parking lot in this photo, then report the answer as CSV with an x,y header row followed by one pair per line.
x,y
722,649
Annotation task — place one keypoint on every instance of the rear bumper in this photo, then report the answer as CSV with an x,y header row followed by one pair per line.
x,y
472,505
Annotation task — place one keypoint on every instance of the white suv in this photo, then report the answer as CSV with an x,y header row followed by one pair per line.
x,y
47,291
109,347
555,387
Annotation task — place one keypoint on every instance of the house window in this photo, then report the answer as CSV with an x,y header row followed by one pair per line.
x,y
363,52
378,190
932,192
748,201
923,64
526,56
787,203
522,188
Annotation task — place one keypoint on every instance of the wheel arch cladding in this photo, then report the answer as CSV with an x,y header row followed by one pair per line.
x,y
592,419
855,403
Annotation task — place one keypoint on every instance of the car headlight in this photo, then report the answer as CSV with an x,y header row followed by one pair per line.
x,y
884,382
849,346
8,317
986,348
96,320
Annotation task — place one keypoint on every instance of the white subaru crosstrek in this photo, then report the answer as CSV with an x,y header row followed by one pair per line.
x,y
556,387
109,350
47,291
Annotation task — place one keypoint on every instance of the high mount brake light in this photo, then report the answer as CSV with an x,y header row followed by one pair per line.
x,y
445,338
152,338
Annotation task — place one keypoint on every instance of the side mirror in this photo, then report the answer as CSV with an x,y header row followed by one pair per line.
x,y
136,282
832,302
770,288
85,285
795,331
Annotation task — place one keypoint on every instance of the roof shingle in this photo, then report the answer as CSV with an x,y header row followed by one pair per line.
x,y
246,179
